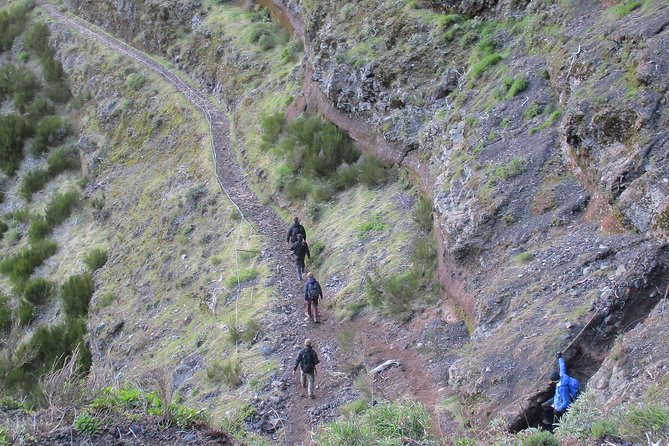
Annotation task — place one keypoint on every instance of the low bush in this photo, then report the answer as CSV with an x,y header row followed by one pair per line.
x,y
87,424
39,290
424,256
41,106
292,51
234,331
393,294
62,159
53,344
25,312
601,429
135,81
58,92
260,29
373,223
58,210
271,126
373,172
547,123
532,110
20,266
50,131
542,438
13,132
517,86
12,22
3,227
96,259
106,299
20,83
422,213
5,314
76,293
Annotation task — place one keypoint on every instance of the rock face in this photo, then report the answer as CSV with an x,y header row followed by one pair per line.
x,y
544,145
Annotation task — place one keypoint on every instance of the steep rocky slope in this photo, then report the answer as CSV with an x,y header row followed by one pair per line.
x,y
539,129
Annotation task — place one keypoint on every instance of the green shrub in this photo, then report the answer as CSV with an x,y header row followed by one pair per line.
x,y
374,223
50,131
267,42
260,29
422,213
60,207
12,22
40,107
87,424
25,312
96,259
424,256
480,67
251,331
346,176
5,314
20,83
532,110
272,125
135,81
58,92
292,51
39,290
372,171
542,438
39,229
36,38
13,132
234,331
76,294
3,227
509,170
20,266
62,159
52,344
518,86
393,294
601,429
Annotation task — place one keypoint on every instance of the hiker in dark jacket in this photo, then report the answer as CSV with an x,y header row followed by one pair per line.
x,y
300,249
312,292
307,360
566,391
295,229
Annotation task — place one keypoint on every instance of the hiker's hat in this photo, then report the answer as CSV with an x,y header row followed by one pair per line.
x,y
307,341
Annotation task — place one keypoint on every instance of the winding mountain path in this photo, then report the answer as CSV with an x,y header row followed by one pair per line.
x,y
298,416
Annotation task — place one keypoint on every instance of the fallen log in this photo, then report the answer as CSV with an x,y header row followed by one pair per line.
x,y
380,368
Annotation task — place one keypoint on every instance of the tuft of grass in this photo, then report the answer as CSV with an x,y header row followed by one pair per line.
x,y
58,210
649,418
106,299
480,67
625,8
252,331
547,123
25,312
135,81
517,86
374,223
245,275
96,259
13,132
524,257
385,423
542,438
227,371
87,424
532,110
601,429
5,314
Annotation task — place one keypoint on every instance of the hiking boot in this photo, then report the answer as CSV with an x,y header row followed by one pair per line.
x,y
307,318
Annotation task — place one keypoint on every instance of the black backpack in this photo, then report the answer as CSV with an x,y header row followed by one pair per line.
x,y
309,361
312,291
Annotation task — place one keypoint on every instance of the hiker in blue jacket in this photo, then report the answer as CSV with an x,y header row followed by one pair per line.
x,y
566,391
312,292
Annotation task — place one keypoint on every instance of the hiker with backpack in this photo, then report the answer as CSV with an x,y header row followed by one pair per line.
x,y
312,292
293,231
307,361
566,391
299,250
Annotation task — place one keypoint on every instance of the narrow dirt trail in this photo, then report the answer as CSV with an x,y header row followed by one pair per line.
x,y
297,418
